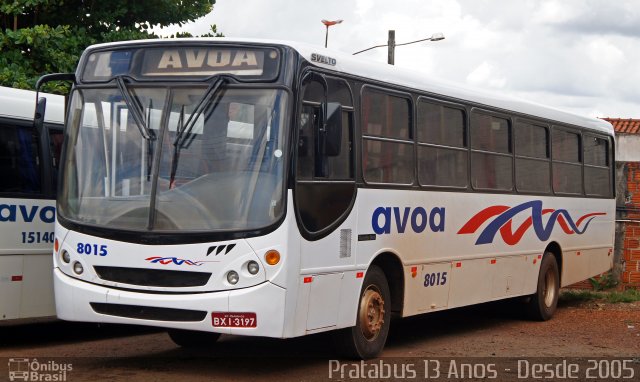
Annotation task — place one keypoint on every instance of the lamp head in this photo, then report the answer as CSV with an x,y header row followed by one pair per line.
x,y
437,37
330,23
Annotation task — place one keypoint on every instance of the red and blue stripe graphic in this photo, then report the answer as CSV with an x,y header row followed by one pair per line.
x,y
503,222
174,260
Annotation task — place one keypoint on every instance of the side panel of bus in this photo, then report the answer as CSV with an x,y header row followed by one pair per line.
x,y
465,200
446,266
26,265
27,216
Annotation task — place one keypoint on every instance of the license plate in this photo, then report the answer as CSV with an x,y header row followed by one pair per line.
x,y
234,320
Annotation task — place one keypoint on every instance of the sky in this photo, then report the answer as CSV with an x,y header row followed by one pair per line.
x,y
577,55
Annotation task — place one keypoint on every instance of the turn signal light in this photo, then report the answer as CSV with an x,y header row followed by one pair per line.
x,y
272,257
55,245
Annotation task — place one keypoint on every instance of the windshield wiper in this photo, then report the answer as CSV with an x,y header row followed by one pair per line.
x,y
176,149
150,141
183,130
211,92
135,108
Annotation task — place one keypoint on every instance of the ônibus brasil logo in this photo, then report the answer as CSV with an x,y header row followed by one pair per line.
x,y
502,222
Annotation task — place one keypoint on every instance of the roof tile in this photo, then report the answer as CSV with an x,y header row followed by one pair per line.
x,y
625,126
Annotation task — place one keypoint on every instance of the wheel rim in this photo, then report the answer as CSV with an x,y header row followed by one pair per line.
x,y
371,315
549,292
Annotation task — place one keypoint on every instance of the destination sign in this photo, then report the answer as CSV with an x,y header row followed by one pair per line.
x,y
202,61
190,61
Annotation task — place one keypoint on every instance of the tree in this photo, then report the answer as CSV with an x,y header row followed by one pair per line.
x,y
47,36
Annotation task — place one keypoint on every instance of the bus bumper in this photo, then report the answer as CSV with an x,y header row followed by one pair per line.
x,y
74,297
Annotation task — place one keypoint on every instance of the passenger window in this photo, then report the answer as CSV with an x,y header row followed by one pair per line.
x,y
567,167
491,161
385,115
596,151
388,151
340,167
19,164
388,162
533,170
442,152
309,124
312,164
597,171
440,125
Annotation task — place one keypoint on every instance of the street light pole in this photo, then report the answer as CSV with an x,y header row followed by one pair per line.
x,y
328,23
391,44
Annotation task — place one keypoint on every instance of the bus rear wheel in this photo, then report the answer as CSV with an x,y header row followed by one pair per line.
x,y
542,304
193,338
366,339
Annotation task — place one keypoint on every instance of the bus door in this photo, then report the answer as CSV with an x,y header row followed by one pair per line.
x,y
27,215
325,191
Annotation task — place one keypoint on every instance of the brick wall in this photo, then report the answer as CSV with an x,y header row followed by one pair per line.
x,y
626,266
631,258
629,212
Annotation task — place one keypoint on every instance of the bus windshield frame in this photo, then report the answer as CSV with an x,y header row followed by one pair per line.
x,y
178,181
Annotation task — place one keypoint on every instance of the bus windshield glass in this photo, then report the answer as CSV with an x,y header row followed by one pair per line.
x,y
175,158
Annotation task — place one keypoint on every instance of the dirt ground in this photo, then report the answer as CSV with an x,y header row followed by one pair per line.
x,y
495,330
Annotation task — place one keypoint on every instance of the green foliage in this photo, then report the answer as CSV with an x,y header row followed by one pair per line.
x,y
606,281
48,36
212,33
575,296
28,53
570,295
627,296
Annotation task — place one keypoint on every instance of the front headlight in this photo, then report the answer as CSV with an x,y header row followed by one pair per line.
x,y
253,267
78,268
233,277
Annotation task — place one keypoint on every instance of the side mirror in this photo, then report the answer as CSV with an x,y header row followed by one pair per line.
x,y
41,103
38,116
43,138
333,130
43,133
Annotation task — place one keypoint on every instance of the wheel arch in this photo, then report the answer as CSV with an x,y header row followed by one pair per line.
x,y
392,267
555,249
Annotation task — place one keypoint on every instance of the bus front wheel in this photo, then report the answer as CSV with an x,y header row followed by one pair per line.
x,y
193,338
542,304
366,339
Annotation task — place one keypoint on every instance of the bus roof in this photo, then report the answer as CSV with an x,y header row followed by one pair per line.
x,y
355,65
21,104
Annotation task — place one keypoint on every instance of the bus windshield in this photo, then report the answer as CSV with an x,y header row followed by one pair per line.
x,y
179,157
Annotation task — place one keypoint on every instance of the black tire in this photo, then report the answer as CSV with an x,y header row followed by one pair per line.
x,y
193,338
542,304
366,340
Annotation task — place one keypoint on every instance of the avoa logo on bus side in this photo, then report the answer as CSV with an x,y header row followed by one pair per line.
x,y
418,219
20,212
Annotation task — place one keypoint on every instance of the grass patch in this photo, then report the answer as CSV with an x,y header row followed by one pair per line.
x,y
573,295
612,297
629,295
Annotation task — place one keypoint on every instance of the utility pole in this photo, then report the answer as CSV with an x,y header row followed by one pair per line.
x,y
392,47
391,44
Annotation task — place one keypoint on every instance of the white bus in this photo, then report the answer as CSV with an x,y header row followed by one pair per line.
x,y
28,167
276,189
